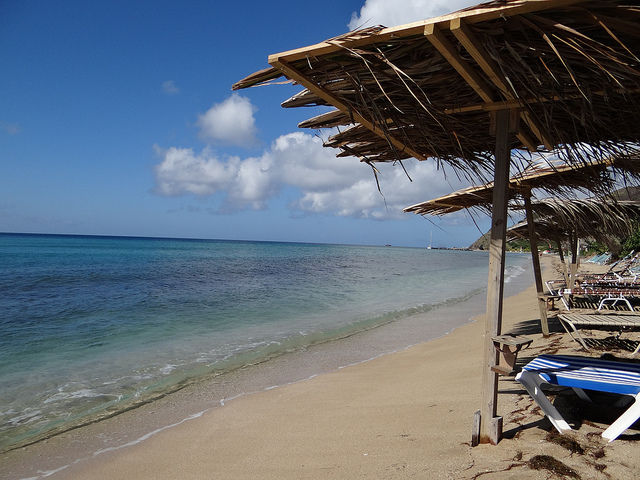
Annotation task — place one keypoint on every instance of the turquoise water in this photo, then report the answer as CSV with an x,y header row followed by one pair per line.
x,y
90,326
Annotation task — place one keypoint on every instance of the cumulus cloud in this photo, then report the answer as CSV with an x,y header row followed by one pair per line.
x,y
183,171
362,199
384,12
230,122
170,88
330,185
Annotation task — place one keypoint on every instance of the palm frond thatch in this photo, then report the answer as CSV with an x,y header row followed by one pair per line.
x,y
555,178
592,218
569,68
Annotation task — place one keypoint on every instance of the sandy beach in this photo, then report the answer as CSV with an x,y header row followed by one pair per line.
x,y
203,279
402,415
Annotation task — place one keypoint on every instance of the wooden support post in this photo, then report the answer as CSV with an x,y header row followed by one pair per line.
x,y
475,436
490,425
574,259
533,240
565,272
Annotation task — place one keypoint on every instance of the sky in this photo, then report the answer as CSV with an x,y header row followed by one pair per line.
x,y
117,118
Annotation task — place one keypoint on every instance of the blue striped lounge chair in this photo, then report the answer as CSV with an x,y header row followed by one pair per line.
x,y
583,373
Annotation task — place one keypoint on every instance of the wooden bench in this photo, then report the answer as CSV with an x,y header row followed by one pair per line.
x,y
508,346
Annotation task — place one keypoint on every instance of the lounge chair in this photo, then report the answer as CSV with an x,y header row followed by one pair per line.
x,y
606,295
583,373
625,273
572,323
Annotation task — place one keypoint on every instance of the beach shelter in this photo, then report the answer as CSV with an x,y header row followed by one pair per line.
x,y
472,90
546,229
595,218
545,175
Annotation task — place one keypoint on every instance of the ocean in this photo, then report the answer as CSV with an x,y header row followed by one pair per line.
x,y
91,326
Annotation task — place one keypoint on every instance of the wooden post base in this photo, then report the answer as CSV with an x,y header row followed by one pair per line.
x,y
495,430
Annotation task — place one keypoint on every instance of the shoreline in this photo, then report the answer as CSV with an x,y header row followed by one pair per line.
x,y
400,415
55,454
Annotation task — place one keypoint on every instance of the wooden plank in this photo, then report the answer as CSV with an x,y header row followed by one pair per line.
x,y
472,45
469,41
477,15
449,52
332,118
325,94
495,286
496,430
533,240
517,103
490,106
513,340
255,78
603,320
475,431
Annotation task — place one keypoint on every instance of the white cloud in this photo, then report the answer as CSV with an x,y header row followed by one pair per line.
x,y
229,122
339,186
389,14
330,185
362,199
170,88
183,171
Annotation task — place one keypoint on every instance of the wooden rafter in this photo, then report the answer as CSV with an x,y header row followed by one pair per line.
x,y
449,52
325,120
468,40
325,94
475,81
519,103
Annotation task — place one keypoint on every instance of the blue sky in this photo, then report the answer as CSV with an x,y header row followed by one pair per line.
x,y
117,118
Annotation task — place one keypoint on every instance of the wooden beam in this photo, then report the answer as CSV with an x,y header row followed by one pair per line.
x,y
565,271
328,96
450,54
527,141
537,274
475,81
471,44
325,120
477,15
495,287
490,106
573,269
448,205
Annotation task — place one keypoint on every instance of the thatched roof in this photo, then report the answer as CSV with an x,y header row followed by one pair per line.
x,y
570,68
585,215
545,228
552,177
540,175
585,218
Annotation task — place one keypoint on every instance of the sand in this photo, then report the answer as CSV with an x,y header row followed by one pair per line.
x,y
403,415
